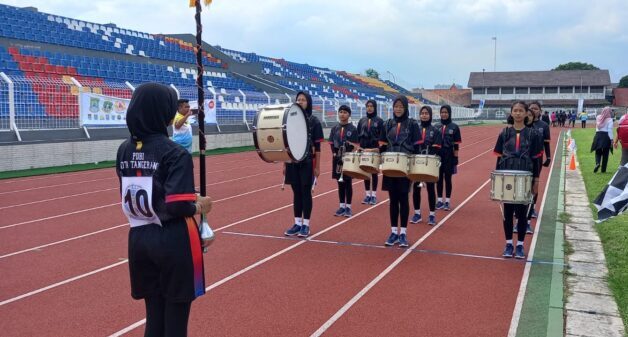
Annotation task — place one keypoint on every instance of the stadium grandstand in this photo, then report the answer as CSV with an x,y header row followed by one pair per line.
x,y
48,60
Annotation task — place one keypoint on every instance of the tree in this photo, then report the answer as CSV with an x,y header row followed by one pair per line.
x,y
576,66
623,83
372,73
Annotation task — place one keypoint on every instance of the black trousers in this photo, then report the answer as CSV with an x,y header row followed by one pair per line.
x,y
345,190
302,201
601,157
166,319
431,195
399,207
367,183
584,124
519,211
447,181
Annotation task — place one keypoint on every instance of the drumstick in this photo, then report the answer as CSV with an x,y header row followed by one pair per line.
x,y
313,184
283,181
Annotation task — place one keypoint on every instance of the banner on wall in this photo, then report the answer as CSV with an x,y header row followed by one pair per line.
x,y
580,105
210,110
101,110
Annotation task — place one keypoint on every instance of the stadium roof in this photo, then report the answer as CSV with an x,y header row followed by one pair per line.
x,y
540,78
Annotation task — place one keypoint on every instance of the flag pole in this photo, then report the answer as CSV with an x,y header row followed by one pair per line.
x,y
201,96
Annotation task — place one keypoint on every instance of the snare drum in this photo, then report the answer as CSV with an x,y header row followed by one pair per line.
x,y
351,166
424,168
512,187
280,133
369,162
395,164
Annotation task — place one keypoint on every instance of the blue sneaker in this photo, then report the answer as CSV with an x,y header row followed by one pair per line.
x,y
304,232
373,201
403,242
534,214
431,220
294,230
366,200
392,239
529,229
340,212
508,251
416,218
348,212
519,254
446,206
439,205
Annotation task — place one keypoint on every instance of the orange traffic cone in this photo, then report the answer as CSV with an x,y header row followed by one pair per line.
x,y
572,163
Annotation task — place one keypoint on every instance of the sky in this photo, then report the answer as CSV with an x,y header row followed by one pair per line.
x,y
417,43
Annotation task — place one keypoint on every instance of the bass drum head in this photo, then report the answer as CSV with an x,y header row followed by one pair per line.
x,y
297,132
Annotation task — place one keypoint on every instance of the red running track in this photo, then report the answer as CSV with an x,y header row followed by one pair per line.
x,y
69,270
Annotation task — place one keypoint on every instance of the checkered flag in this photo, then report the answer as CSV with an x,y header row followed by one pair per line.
x,y
613,200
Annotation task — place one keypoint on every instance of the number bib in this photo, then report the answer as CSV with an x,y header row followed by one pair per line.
x,y
137,203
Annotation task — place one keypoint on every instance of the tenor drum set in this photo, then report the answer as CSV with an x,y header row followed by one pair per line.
x,y
280,134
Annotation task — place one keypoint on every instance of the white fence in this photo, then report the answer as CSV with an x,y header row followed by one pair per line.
x,y
43,103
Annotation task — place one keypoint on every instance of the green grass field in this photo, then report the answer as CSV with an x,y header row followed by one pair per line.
x,y
105,164
613,232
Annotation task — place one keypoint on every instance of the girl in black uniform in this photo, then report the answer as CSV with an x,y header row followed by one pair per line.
x,y
343,138
157,190
517,148
301,175
401,134
370,128
451,138
431,144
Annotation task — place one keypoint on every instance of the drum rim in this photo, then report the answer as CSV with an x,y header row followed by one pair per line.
x,y
286,109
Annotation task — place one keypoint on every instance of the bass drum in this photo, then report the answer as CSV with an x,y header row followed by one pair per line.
x,y
280,133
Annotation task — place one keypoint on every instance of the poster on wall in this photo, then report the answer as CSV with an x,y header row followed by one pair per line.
x,y
210,110
101,110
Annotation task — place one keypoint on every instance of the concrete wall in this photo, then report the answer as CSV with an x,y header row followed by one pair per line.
x,y
28,156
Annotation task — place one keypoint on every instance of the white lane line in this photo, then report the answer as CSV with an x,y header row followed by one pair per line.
x,y
58,198
34,292
62,241
257,264
392,266
516,314
58,216
51,186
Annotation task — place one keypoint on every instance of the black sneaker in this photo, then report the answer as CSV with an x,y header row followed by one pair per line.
x,y
294,230
373,200
508,251
392,239
519,254
403,241
431,220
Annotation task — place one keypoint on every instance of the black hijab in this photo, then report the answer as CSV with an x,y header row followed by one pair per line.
x,y
406,111
371,115
151,110
308,98
429,110
448,120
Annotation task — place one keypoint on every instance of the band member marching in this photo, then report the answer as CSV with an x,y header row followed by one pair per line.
x,y
370,128
343,138
301,176
451,139
518,148
431,144
401,134
543,130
